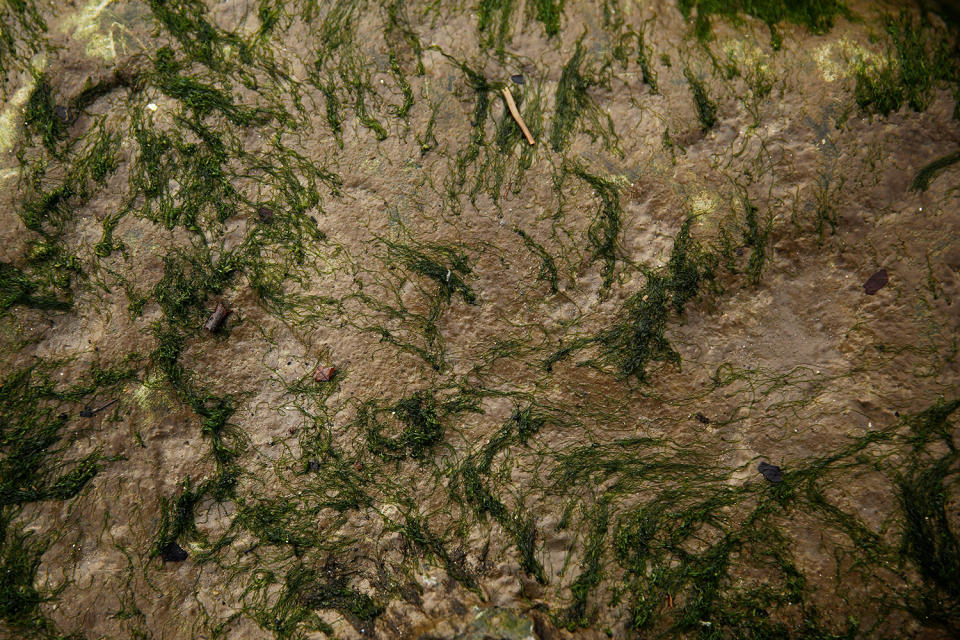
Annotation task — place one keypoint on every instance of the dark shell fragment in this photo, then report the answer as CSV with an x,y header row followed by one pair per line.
x,y
770,471
876,282
217,317
173,553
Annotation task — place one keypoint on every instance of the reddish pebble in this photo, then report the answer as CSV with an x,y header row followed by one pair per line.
x,y
217,317
324,374
876,282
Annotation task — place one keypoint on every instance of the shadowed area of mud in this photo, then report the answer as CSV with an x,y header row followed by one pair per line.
x,y
302,338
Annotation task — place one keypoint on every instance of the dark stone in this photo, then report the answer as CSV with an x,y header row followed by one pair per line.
x,y
770,471
265,214
702,418
517,79
876,282
173,553
313,465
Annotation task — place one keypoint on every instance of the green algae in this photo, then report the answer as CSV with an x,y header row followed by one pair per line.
x,y
38,463
921,181
548,266
705,107
661,532
818,16
575,104
604,230
918,61
493,20
548,13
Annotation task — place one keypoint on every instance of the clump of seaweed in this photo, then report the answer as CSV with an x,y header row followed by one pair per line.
x,y
40,115
472,483
818,16
422,428
604,230
644,60
328,588
493,19
574,103
929,172
548,13
36,463
706,108
638,336
918,61
446,266
548,267
23,35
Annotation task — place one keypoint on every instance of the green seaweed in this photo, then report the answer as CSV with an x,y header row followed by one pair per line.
x,y
706,108
548,13
493,19
574,103
40,115
818,16
917,62
605,227
422,428
23,35
921,181
548,267
648,75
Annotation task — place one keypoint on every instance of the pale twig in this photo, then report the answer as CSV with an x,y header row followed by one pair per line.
x,y
516,114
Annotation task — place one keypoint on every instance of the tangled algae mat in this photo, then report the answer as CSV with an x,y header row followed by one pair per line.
x,y
558,366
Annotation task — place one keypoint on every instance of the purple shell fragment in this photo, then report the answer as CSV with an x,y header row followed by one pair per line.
x,y
876,282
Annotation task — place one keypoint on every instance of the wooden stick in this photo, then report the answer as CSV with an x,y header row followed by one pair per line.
x,y
516,114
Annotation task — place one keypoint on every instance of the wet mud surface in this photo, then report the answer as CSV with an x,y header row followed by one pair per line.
x,y
302,338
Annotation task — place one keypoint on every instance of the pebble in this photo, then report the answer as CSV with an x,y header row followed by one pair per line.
x,y
771,472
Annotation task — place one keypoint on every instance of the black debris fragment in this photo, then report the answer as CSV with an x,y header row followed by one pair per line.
x,y
876,282
517,79
702,418
173,553
770,471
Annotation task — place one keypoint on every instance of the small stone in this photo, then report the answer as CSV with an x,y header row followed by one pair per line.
x,y
770,471
216,319
702,418
265,214
517,79
313,464
876,282
324,374
173,553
